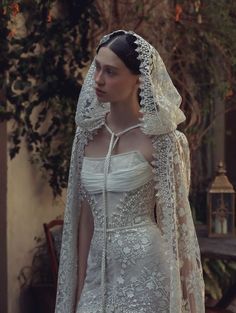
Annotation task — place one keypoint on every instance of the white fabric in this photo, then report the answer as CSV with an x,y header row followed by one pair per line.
x,y
183,281
121,180
135,250
113,141
160,100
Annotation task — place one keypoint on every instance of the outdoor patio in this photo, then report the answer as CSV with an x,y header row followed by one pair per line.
x,y
46,49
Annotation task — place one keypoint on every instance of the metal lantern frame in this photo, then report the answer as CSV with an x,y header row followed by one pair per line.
x,y
221,206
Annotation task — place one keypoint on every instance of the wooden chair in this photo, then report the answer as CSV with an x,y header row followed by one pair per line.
x,y
53,233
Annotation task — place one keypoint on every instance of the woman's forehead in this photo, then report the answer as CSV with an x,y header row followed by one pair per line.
x,y
106,57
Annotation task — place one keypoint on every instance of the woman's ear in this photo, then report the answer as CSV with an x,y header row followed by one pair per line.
x,y
139,97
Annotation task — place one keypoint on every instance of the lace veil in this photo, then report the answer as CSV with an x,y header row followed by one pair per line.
x,y
160,100
159,104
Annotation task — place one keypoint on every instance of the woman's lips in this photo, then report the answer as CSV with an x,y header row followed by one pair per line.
x,y
99,92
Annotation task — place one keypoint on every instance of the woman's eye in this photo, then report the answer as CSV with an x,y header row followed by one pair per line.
x,y
110,71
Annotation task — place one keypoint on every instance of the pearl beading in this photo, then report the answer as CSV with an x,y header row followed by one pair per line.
x,y
113,141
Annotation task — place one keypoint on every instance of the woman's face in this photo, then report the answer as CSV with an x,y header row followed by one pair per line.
x,y
113,80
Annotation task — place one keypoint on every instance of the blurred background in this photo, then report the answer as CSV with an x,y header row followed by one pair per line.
x,y
45,50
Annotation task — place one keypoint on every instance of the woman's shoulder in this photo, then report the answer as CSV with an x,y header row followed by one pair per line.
x,y
172,141
97,143
174,135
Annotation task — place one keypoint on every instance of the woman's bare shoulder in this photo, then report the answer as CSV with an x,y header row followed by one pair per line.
x,y
98,145
143,144
134,140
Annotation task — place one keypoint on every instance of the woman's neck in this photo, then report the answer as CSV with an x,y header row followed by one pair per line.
x,y
123,115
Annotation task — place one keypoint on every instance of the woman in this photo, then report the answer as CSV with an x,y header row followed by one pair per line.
x,y
128,191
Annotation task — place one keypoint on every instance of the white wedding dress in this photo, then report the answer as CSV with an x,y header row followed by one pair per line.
x,y
135,277
134,264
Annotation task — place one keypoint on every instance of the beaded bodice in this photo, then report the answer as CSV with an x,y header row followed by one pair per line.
x,y
141,266
130,195
129,257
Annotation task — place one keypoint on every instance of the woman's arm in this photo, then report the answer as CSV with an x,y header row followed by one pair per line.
x,y
85,234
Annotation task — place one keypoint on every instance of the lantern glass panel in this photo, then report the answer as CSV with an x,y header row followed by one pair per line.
x,y
220,218
230,223
228,200
215,200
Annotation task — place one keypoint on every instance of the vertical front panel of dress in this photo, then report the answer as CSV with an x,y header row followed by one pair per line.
x,y
113,141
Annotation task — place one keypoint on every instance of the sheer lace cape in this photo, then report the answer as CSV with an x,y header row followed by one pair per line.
x,y
160,103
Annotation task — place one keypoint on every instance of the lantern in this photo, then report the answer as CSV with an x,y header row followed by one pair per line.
x,y
221,206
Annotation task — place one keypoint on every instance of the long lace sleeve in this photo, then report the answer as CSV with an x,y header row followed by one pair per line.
x,y
172,172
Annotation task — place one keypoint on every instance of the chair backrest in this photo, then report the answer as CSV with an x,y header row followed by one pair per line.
x,y
53,233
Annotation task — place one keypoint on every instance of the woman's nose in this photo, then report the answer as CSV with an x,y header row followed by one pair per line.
x,y
99,79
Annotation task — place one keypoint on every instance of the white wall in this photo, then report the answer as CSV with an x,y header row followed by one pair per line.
x,y
29,204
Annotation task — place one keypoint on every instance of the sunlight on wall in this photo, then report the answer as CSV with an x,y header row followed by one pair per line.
x,y
29,204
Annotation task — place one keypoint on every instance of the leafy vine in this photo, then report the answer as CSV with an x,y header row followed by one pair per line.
x,y
47,48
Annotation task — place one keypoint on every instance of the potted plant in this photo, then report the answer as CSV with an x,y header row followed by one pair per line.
x,y
37,289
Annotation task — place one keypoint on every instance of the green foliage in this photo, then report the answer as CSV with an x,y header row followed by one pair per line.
x,y
47,53
39,273
203,50
3,54
47,59
42,63
204,60
219,275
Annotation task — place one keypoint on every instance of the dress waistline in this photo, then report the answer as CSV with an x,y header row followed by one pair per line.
x,y
130,227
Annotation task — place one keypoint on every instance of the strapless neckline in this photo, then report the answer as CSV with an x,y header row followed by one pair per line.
x,y
127,171
138,153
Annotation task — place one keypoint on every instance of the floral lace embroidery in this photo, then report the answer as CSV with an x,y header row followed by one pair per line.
x,y
136,264
184,282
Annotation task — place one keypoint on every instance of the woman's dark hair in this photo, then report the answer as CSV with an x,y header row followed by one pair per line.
x,y
123,45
